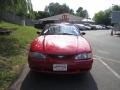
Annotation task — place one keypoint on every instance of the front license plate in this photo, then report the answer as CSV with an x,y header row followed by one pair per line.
x,y
59,67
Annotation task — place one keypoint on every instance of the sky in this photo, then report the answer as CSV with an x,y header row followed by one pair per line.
x,y
92,6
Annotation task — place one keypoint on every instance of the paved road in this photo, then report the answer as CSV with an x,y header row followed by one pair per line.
x,y
105,74
106,49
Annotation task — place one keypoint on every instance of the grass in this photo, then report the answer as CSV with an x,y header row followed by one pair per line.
x,y
13,51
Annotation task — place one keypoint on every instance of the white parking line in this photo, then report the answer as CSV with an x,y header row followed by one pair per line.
x,y
108,59
109,68
115,73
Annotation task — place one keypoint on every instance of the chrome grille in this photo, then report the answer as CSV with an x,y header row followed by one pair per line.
x,y
60,56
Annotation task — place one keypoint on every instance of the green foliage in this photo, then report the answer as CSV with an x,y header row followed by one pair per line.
x,y
71,11
19,7
13,51
56,8
104,17
41,14
82,13
99,17
116,8
6,5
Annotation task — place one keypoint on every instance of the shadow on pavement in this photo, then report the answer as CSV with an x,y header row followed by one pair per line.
x,y
56,82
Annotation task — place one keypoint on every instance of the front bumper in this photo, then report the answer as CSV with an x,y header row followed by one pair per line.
x,y
73,66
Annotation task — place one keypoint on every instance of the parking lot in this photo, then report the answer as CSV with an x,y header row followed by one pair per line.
x,y
105,73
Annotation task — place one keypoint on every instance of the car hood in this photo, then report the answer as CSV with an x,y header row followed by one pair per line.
x,y
61,44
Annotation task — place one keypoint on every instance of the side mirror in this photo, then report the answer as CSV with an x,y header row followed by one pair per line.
x,y
38,32
83,33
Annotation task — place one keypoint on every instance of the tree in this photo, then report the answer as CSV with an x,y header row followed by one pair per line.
x,y
30,10
64,9
41,14
116,8
71,11
56,8
19,7
82,13
6,5
104,17
99,17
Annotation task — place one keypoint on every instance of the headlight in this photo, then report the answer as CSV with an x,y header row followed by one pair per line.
x,y
37,55
82,56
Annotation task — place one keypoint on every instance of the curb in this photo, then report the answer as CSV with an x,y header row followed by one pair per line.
x,y
17,83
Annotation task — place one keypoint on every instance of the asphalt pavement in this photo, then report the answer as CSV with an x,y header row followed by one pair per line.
x,y
105,73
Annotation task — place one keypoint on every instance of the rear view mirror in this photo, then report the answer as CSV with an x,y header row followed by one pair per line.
x,y
83,33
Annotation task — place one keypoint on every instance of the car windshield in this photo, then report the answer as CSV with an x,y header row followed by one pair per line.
x,y
61,30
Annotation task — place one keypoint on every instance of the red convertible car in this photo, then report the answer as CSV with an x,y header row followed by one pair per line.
x,y
60,48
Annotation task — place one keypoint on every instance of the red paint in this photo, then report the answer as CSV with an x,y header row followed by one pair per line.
x,y
73,66
63,45
60,44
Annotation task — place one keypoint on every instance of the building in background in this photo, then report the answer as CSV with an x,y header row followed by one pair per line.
x,y
65,17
